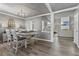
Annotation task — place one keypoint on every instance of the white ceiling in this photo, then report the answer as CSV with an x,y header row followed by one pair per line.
x,y
33,9
60,6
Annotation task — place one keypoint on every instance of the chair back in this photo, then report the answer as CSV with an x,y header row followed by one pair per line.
x,y
8,34
13,32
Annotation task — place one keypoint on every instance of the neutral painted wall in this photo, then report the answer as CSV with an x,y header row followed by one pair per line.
x,y
38,26
57,28
46,32
46,20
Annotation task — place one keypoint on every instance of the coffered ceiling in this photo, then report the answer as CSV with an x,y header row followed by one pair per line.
x,y
33,9
60,6
30,9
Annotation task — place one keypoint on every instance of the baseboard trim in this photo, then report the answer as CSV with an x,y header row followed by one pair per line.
x,y
44,40
65,36
76,44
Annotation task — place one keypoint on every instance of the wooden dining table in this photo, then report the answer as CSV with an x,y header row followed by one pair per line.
x,y
27,35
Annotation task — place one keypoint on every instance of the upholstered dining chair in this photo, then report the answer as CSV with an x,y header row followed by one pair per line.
x,y
18,41
9,39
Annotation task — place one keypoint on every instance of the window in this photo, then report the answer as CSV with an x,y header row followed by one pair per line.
x,y
29,25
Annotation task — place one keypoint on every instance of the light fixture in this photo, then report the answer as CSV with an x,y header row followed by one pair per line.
x,y
11,23
21,13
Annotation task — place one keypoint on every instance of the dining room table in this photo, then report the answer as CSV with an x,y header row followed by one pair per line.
x,y
27,35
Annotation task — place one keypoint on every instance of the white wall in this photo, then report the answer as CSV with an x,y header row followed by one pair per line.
x,y
36,22
64,33
38,27
4,21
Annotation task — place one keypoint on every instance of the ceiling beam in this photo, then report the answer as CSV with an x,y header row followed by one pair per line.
x,y
52,21
11,15
38,16
48,7
68,9
4,7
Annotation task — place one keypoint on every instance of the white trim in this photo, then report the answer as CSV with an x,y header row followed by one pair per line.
x,y
52,27
78,27
44,40
52,21
38,16
49,7
76,44
68,9
11,15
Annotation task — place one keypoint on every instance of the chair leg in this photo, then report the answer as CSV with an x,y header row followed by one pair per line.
x,y
25,43
16,48
8,45
32,41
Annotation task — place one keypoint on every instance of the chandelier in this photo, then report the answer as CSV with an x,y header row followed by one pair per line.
x,y
11,23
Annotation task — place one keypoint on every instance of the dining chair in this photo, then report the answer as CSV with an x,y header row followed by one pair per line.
x,y
18,41
9,39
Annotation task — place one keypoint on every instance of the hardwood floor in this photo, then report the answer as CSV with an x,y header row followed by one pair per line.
x,y
61,47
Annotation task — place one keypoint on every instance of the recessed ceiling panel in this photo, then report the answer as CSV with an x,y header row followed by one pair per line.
x,y
30,9
60,6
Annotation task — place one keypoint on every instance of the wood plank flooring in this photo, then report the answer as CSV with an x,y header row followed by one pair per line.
x,y
61,47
